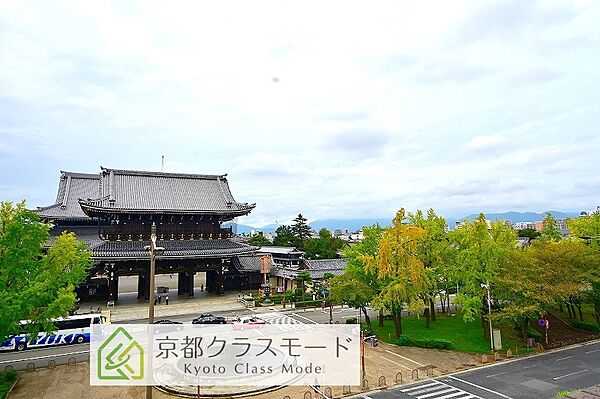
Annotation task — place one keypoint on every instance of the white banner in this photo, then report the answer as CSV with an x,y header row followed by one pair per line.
x,y
225,355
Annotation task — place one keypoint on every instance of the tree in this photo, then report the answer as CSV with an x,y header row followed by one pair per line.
x,y
303,277
36,285
587,227
324,247
301,230
482,250
259,240
431,250
404,274
528,233
356,287
284,237
550,231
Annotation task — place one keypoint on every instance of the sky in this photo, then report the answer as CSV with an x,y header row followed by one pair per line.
x,y
334,109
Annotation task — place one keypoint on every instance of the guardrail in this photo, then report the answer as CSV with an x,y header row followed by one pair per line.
x,y
45,361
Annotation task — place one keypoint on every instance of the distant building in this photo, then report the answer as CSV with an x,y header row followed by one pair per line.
x,y
523,225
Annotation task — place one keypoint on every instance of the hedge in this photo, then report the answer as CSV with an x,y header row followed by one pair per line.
x,y
405,340
582,325
308,304
6,382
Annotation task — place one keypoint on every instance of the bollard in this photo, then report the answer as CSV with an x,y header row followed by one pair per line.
x,y
72,361
51,364
30,367
509,354
382,382
398,380
365,384
307,395
496,356
346,389
287,397
415,371
444,367
8,368
458,365
430,371
328,392
484,359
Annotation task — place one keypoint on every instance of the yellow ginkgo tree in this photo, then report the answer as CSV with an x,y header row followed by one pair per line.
x,y
402,274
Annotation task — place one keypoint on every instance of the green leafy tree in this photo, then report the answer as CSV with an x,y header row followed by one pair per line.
x,y
482,250
356,287
301,230
303,278
324,247
36,285
432,250
284,237
405,279
587,227
259,240
528,233
550,231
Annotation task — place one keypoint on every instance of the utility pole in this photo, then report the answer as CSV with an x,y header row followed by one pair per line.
x,y
154,251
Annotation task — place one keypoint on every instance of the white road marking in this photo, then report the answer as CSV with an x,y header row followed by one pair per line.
x,y
480,387
497,374
305,318
570,374
435,383
595,350
447,390
44,357
529,367
435,389
405,358
396,363
563,358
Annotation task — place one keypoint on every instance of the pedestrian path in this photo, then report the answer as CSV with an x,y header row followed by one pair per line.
x,y
437,390
282,321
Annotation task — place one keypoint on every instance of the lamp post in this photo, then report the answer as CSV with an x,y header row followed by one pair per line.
x,y
489,301
154,251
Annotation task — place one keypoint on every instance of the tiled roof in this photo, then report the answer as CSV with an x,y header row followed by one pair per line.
x,y
71,187
279,250
173,249
247,263
126,190
318,268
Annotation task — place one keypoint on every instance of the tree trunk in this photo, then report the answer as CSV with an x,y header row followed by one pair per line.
x,y
448,299
427,318
561,307
443,302
397,322
381,318
432,309
597,313
367,318
570,311
524,326
484,326
578,304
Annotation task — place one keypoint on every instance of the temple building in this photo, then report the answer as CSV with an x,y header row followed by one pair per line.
x,y
112,212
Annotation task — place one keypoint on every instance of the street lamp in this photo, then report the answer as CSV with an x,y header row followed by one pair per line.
x,y
489,301
154,251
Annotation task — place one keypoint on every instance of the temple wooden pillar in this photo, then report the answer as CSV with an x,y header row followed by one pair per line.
x,y
182,283
141,287
191,283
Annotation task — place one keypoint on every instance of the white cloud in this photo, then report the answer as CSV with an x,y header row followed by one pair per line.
x,y
459,106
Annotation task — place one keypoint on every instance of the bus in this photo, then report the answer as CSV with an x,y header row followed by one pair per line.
x,y
70,330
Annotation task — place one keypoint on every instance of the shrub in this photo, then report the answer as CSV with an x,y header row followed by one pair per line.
x,y
6,382
582,325
351,320
308,304
532,333
405,340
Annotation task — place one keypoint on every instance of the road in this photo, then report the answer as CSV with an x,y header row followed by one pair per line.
x,y
528,378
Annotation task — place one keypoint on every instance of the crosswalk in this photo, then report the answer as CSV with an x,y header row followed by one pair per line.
x,y
282,321
438,390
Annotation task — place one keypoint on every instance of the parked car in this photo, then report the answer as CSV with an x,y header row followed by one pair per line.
x,y
248,322
206,318
168,325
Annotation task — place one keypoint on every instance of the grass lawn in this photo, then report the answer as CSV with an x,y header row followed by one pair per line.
x,y
465,337
6,382
587,309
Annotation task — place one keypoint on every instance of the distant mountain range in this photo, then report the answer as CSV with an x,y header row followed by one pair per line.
x,y
356,224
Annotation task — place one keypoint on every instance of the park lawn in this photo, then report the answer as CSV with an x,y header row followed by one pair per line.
x,y
6,382
464,336
587,309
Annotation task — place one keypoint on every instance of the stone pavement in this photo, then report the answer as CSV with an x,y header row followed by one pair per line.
x,y
382,365
587,393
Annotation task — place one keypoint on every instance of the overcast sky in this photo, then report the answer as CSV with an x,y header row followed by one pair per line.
x,y
332,109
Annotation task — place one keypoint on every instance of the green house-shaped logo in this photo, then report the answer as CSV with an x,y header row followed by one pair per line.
x,y
120,357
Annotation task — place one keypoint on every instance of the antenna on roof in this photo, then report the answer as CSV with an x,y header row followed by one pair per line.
x,y
162,163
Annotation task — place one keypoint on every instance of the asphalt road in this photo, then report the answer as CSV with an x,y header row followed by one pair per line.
x,y
528,378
